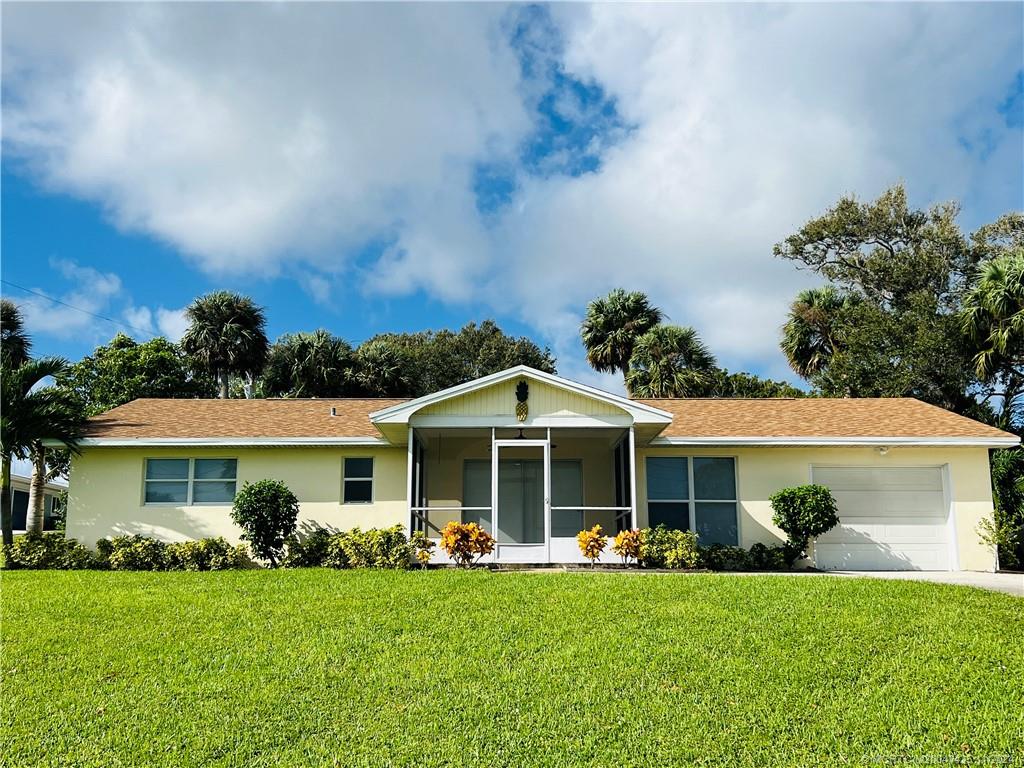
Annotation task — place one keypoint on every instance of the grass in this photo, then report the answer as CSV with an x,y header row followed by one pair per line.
x,y
318,667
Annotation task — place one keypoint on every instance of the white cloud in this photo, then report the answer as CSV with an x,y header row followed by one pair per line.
x,y
92,293
245,134
257,136
171,323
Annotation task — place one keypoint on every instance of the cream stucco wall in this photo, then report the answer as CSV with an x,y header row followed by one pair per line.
x,y
106,486
105,496
763,470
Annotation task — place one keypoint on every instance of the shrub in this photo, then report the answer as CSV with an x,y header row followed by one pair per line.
x,y
133,553
373,548
309,551
627,545
663,547
466,543
38,551
764,558
804,512
267,513
423,547
592,543
214,554
719,557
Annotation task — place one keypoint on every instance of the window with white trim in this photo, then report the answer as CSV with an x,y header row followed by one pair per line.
x,y
694,494
190,481
357,485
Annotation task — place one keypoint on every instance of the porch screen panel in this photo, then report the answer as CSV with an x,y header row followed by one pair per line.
x,y
566,491
476,492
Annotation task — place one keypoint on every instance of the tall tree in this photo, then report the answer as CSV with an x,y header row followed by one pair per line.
x,y
124,370
612,327
436,360
227,335
315,364
31,414
15,346
813,323
887,325
670,361
993,317
721,383
383,369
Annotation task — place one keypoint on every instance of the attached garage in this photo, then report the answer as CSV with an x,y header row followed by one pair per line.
x,y
890,518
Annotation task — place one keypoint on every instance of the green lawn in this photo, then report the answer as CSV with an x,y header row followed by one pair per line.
x,y
321,667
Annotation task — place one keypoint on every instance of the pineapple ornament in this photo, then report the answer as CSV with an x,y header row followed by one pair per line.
x,y
522,394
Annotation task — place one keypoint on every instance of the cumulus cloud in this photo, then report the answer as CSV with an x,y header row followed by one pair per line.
x,y
76,309
250,134
171,323
254,137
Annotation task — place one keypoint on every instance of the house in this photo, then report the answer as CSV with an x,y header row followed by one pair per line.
x,y
535,458
53,502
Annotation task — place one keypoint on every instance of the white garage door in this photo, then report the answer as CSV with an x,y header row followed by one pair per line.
x,y
889,519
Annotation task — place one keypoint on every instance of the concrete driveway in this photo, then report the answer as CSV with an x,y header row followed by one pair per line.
x,y
1011,583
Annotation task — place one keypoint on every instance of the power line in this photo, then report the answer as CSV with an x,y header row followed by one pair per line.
x,y
78,309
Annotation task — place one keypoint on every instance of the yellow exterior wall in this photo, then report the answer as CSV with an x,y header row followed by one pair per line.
x,y
106,486
105,496
544,400
763,470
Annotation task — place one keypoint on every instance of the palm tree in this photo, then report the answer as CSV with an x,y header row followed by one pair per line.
x,y
226,336
993,315
669,361
315,364
383,369
30,415
612,326
15,346
809,335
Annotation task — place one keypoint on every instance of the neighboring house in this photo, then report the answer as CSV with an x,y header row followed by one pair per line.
x,y
53,504
911,479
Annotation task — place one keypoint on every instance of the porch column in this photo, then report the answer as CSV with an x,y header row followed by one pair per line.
x,y
494,494
410,490
632,477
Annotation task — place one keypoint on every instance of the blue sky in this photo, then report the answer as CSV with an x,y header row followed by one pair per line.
x,y
376,168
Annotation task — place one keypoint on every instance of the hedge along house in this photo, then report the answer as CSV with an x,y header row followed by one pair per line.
x,y
535,458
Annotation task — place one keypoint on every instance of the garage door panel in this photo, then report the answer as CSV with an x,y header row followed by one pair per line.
x,y
891,530
873,557
879,478
891,518
903,503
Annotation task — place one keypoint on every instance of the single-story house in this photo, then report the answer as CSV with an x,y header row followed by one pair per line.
x,y
53,500
535,458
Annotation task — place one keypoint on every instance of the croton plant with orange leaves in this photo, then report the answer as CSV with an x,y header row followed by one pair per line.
x,y
466,543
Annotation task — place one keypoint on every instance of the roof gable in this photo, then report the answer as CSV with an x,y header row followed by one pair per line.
x,y
493,396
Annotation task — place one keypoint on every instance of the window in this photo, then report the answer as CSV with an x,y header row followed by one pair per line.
x,y
358,482
694,494
190,481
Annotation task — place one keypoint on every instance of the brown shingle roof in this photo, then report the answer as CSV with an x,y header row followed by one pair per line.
x,y
699,418
151,418
815,417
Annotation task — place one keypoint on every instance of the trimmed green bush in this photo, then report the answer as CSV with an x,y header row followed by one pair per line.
x,y
719,557
308,552
804,512
267,513
133,553
213,554
373,548
40,551
663,547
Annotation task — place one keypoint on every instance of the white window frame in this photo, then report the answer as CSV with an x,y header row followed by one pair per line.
x,y
190,480
371,480
692,501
